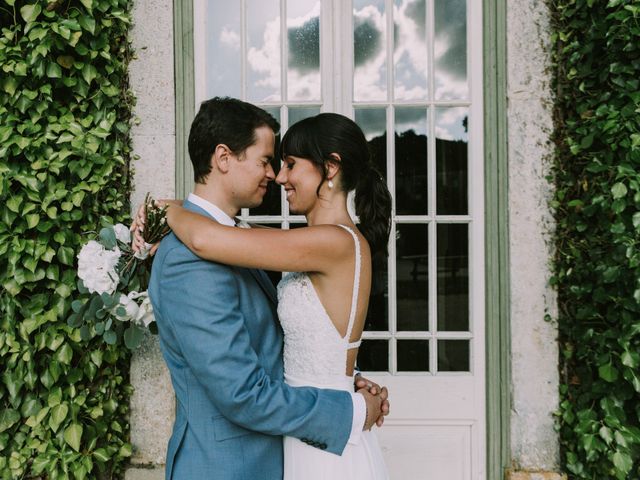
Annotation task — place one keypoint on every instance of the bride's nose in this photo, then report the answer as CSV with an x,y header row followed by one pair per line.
x,y
281,179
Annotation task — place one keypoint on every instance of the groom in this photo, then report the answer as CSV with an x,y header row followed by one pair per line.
x,y
219,331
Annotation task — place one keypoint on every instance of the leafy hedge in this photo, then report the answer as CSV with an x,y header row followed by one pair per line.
x,y
598,237
65,110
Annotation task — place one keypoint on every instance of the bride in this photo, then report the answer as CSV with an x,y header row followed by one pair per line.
x,y
322,302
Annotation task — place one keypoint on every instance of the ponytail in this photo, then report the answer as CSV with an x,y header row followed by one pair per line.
x,y
373,207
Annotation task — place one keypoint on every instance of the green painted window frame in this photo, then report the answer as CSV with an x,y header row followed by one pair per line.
x,y
498,373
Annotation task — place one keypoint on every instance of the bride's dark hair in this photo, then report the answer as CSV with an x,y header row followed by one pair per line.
x,y
315,139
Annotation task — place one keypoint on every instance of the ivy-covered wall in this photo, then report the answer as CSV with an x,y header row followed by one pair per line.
x,y
65,110
598,237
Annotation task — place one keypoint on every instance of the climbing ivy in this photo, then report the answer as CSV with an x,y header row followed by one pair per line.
x,y
65,110
597,263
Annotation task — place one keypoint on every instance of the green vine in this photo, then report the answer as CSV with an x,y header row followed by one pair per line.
x,y
65,111
597,264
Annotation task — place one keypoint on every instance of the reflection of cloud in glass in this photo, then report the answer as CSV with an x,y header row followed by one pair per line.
x,y
410,50
303,36
451,123
450,49
369,32
230,38
264,63
222,47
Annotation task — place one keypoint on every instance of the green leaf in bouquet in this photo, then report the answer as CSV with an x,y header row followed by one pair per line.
x,y
99,328
133,336
85,333
108,300
153,328
75,320
108,323
108,238
100,314
94,306
121,311
110,337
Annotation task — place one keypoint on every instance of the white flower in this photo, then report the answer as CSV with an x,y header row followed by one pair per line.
x,y
145,312
97,268
122,232
130,307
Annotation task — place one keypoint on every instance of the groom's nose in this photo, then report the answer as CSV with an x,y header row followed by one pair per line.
x,y
270,174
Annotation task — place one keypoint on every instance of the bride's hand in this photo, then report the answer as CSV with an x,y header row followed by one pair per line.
x,y
375,389
137,227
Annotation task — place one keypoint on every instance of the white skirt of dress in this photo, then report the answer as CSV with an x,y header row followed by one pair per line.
x,y
361,461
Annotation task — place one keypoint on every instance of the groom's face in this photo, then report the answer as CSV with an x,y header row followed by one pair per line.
x,y
251,170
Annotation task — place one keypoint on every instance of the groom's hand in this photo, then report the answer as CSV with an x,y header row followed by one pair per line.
x,y
375,389
374,408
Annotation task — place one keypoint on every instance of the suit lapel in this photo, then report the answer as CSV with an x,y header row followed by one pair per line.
x,y
265,283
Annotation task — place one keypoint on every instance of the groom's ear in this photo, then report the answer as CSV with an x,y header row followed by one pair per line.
x,y
220,158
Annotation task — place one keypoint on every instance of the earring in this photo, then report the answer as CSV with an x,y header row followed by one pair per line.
x,y
330,184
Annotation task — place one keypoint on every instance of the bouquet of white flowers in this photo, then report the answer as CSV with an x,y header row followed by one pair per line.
x,y
113,280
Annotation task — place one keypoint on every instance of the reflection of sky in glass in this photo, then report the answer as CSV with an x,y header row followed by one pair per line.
x,y
372,121
303,36
450,49
263,55
222,49
369,32
299,113
410,49
411,118
451,123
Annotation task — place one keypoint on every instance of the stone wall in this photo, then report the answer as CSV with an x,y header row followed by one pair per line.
x,y
534,360
152,80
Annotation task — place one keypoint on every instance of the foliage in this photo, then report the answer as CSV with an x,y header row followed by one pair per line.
x,y
597,267
64,153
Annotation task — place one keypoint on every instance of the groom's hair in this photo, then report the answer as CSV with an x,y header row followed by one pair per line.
x,y
224,120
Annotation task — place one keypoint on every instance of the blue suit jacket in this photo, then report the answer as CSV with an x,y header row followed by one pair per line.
x,y
221,340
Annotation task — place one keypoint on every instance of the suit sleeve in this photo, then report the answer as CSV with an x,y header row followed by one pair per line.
x,y
215,343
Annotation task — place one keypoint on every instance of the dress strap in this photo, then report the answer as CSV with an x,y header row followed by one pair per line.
x,y
356,287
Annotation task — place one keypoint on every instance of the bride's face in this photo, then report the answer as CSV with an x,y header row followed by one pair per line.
x,y
300,178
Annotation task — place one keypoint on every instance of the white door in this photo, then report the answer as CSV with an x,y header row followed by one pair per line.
x,y
410,73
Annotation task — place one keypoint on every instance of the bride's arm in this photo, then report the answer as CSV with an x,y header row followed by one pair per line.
x,y
309,249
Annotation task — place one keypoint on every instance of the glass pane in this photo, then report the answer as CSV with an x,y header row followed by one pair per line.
x,y
453,355
303,37
222,50
410,54
411,161
413,355
369,50
451,160
453,277
300,113
263,50
271,204
412,279
373,122
373,356
450,49
378,312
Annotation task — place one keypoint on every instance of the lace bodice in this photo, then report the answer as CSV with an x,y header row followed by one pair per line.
x,y
312,344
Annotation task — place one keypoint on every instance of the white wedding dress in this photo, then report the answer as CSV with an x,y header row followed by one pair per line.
x,y
315,355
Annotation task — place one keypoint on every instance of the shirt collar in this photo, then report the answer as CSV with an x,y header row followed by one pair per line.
x,y
212,210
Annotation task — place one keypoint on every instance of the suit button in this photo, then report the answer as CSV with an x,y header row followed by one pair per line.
x,y
323,446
